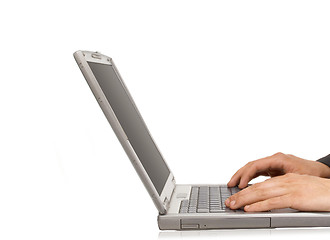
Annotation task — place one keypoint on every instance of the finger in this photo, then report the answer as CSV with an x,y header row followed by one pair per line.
x,y
235,178
240,194
253,169
247,176
267,184
269,204
244,175
257,194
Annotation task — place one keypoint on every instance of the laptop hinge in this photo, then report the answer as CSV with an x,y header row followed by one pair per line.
x,y
167,201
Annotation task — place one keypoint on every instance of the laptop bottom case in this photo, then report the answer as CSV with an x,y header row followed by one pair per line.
x,y
242,221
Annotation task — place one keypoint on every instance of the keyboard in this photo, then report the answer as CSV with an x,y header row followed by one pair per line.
x,y
208,199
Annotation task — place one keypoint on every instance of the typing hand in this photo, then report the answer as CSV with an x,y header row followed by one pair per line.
x,y
300,192
276,165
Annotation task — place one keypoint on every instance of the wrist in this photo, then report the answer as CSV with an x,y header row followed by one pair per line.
x,y
322,170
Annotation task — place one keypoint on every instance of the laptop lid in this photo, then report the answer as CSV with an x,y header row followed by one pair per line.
x,y
119,108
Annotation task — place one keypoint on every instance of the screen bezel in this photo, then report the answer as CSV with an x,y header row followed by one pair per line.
x,y
83,57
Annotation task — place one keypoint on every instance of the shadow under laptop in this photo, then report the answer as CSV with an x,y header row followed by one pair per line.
x,y
246,233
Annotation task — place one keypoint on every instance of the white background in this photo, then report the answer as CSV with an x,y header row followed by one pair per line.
x,y
219,83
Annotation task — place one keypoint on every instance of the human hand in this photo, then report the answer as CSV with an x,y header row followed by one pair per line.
x,y
300,192
276,165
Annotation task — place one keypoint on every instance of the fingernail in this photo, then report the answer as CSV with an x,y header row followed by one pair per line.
x,y
247,207
232,203
227,201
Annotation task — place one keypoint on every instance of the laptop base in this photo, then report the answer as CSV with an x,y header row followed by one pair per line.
x,y
173,220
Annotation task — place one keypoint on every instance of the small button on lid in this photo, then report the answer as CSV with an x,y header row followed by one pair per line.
x,y
96,55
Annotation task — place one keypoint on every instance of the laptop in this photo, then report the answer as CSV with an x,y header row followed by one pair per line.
x,y
180,207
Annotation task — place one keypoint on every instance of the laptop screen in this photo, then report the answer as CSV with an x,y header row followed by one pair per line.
x,y
132,124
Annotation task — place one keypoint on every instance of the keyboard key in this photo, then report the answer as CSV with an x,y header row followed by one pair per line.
x,y
202,210
216,210
183,210
192,210
205,199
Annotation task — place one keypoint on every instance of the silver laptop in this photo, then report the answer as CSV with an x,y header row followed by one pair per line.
x,y
180,207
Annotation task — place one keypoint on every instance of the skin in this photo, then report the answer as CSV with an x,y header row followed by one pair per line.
x,y
294,180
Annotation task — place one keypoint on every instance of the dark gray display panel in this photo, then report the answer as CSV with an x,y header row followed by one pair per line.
x,y
132,124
